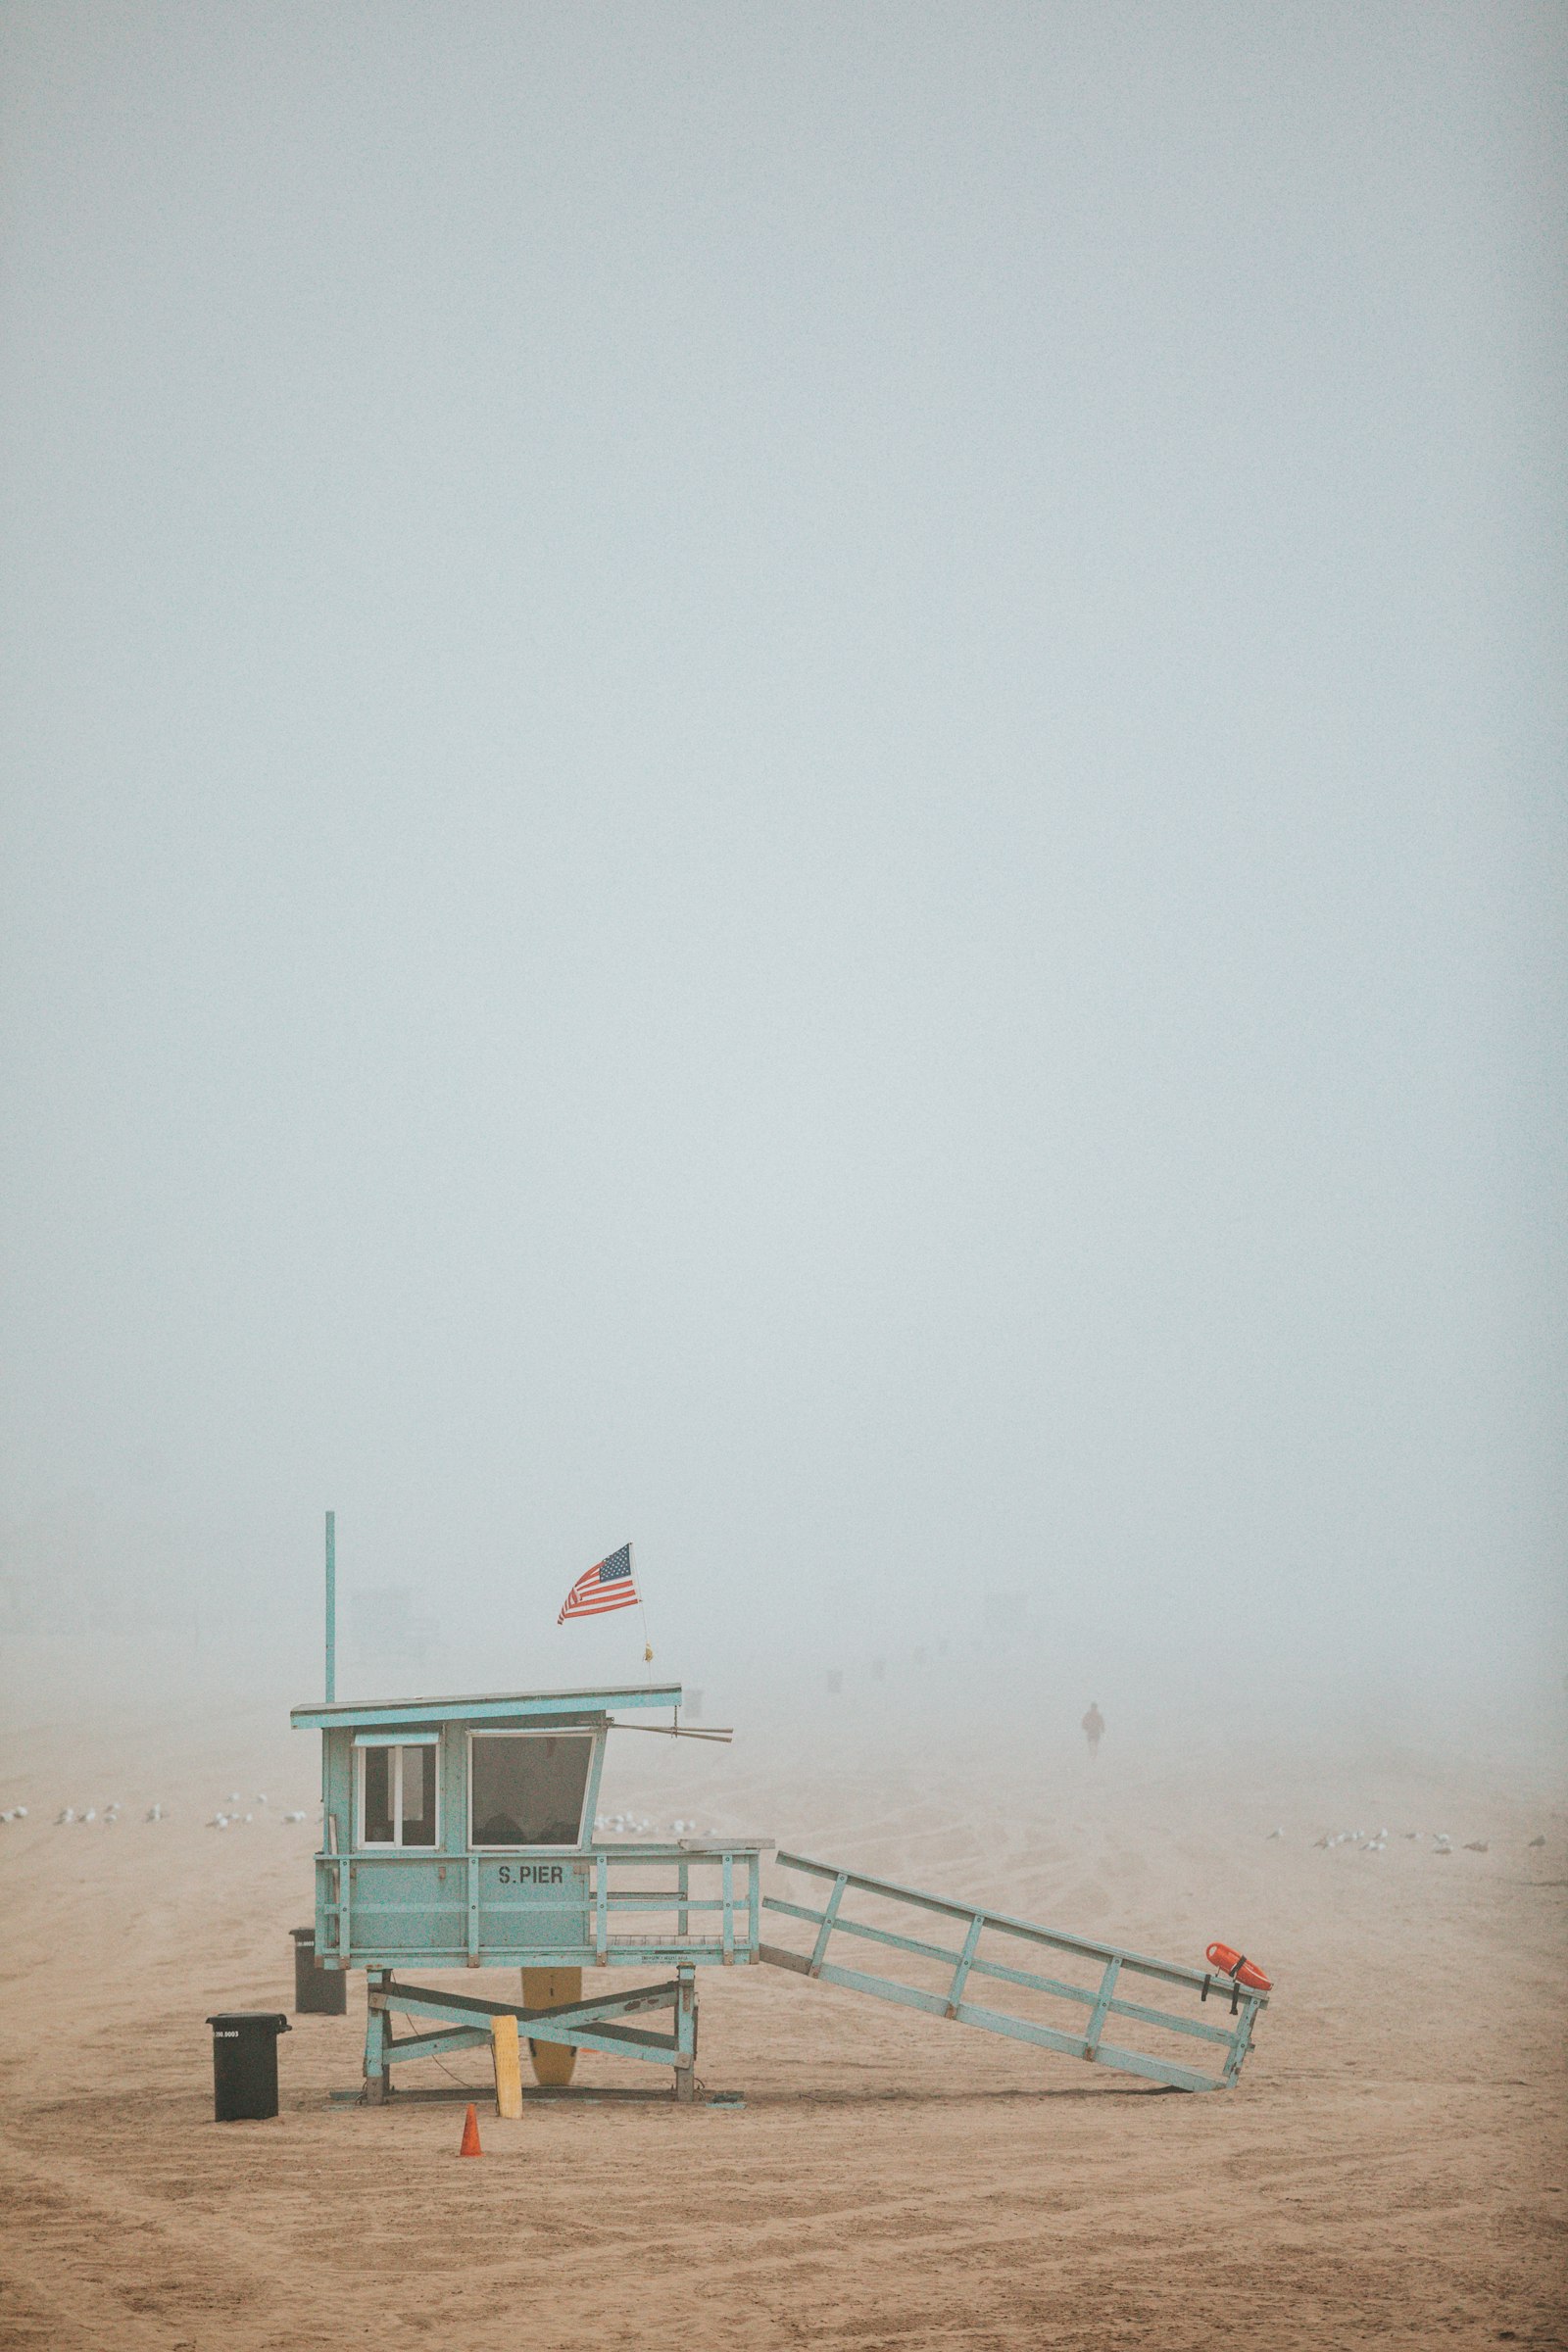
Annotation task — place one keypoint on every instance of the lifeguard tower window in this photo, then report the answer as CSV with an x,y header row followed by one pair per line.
x,y
397,1794
527,1787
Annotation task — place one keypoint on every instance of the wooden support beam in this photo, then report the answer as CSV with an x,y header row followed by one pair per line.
x,y
507,2057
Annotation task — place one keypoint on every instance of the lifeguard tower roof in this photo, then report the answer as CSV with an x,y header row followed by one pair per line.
x,y
346,1714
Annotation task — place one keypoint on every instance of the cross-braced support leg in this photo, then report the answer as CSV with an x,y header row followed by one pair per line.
x,y
377,2074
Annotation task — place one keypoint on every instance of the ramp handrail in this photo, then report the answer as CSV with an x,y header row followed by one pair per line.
x,y
1102,2001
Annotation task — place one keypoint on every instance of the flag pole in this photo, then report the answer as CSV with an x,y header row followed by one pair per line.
x,y
647,1647
331,1607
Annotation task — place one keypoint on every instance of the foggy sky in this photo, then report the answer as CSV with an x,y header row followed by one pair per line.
x,y
789,779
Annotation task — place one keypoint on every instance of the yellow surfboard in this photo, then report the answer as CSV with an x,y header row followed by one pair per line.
x,y
552,1989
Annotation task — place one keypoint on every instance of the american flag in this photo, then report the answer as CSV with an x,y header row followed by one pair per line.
x,y
608,1585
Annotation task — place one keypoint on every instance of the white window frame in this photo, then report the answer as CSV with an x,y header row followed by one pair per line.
x,y
569,1732
397,1742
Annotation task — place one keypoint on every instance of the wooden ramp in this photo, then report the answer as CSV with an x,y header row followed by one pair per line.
x,y
1212,2010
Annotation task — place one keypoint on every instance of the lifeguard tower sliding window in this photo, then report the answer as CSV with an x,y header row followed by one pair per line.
x,y
397,1793
527,1787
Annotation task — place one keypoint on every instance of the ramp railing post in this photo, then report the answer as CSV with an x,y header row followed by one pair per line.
x,y
683,1885
966,1963
729,1907
1096,2022
602,1911
829,1915
754,1905
1240,2041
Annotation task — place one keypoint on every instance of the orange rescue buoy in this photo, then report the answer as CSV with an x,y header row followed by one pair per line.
x,y
1237,1965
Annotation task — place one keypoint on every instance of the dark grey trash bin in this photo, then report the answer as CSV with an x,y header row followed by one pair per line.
x,y
245,2064
318,1991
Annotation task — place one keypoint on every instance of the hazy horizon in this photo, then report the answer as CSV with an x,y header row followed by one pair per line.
x,y
789,782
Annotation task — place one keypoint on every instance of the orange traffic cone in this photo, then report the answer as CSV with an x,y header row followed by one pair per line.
x,y
471,2135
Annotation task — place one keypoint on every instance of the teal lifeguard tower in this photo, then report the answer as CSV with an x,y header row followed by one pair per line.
x,y
458,1833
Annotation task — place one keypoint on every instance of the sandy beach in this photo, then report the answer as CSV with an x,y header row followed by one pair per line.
x,y
1390,2170
782,906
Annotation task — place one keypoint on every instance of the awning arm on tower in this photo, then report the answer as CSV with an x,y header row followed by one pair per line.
x,y
674,1731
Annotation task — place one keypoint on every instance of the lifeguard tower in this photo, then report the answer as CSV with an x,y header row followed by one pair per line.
x,y
458,1833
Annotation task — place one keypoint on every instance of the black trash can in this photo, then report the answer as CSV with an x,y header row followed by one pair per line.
x,y
245,2064
318,1991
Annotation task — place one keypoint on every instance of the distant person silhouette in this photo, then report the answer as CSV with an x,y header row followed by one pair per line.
x,y
1093,1729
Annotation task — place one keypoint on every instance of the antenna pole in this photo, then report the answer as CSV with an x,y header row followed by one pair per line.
x,y
331,1607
